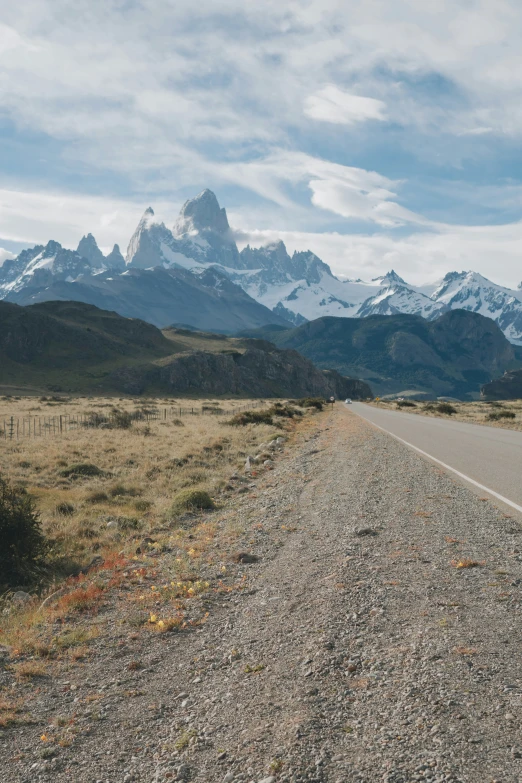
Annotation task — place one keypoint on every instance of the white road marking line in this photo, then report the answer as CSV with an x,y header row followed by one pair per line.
x,y
444,465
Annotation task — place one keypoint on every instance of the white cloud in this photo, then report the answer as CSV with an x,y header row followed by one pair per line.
x,y
138,87
4,255
351,192
36,217
332,104
494,251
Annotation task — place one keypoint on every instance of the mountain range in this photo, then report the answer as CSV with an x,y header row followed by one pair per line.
x,y
451,355
194,274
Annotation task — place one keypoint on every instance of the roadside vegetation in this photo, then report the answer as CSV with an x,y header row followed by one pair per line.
x,y
131,514
506,413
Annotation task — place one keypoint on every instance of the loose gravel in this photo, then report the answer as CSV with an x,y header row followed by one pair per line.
x,y
361,649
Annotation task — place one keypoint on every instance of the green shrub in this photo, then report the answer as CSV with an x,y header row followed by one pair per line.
x,y
190,500
97,497
251,417
311,402
23,545
95,419
129,523
500,415
286,411
119,490
81,469
65,509
405,404
142,505
122,420
445,407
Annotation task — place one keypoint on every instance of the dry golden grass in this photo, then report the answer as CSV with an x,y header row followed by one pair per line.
x,y
125,517
11,710
472,412
142,470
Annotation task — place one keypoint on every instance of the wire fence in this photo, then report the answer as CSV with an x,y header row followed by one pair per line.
x,y
18,427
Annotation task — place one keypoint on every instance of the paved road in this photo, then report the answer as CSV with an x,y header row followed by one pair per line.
x,y
490,457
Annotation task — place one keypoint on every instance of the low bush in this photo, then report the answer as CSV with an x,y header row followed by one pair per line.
x,y
24,546
97,497
286,410
142,505
265,416
500,415
95,419
251,417
122,420
445,407
405,404
311,402
65,509
79,469
119,490
192,499
129,523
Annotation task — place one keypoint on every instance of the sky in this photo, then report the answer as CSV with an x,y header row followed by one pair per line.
x,y
379,134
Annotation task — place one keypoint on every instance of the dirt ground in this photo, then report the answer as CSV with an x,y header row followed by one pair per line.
x,y
360,624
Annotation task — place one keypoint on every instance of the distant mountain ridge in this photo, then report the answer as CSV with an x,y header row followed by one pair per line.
x,y
452,355
277,287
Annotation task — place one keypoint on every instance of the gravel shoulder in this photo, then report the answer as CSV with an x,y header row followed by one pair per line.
x,y
359,649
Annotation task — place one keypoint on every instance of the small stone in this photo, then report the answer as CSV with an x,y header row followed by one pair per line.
x,y
364,531
229,777
20,598
245,558
268,463
270,779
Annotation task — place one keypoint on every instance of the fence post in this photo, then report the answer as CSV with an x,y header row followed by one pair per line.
x,y
11,428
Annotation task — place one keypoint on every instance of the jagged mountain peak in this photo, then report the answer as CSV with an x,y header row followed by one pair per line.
x,y
202,214
115,259
51,248
88,248
390,278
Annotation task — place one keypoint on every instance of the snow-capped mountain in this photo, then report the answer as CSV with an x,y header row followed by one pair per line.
x,y
472,291
39,266
295,288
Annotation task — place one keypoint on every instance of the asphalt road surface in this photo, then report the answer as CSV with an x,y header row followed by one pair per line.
x,y
487,458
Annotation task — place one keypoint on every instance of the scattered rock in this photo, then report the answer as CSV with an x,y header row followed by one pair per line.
x,y
145,545
20,598
245,558
364,531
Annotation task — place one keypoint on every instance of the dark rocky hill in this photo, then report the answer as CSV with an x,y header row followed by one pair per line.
x,y
452,355
76,347
507,387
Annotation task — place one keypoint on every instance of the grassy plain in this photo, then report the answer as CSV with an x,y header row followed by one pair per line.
x,y
157,566
506,414
140,469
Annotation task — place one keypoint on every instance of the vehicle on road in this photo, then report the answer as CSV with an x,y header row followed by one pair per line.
x,y
348,401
